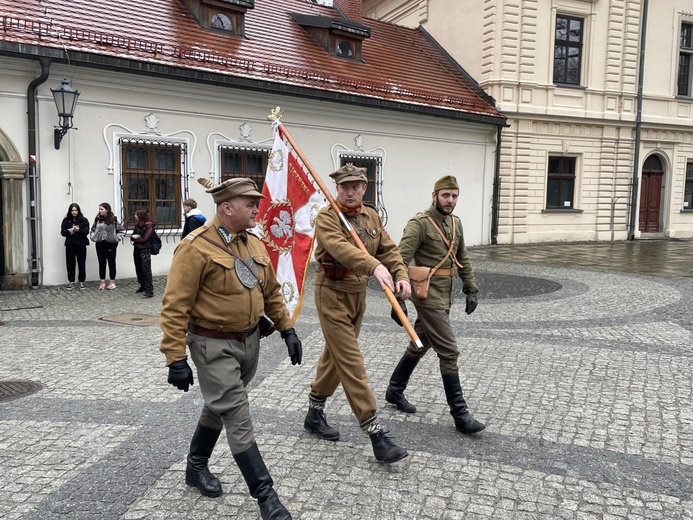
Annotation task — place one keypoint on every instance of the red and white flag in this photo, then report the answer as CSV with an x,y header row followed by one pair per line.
x,y
286,221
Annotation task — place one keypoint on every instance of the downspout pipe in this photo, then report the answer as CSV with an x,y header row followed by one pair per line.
x,y
638,127
495,209
32,210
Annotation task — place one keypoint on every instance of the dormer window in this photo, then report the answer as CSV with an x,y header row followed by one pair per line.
x,y
221,21
341,37
344,49
221,15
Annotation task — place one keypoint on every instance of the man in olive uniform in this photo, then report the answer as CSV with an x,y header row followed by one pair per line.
x,y
422,242
219,285
340,299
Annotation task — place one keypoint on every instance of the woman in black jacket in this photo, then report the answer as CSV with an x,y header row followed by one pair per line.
x,y
142,253
75,229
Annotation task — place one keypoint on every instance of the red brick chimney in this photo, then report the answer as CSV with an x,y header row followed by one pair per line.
x,y
352,9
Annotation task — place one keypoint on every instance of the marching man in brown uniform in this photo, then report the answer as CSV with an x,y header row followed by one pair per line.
x,y
220,283
340,299
423,241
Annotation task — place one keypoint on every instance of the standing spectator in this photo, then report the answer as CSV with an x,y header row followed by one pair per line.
x,y
75,229
106,232
193,216
142,252
432,238
340,298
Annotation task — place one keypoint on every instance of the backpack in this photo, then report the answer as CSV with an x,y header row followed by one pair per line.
x,y
155,242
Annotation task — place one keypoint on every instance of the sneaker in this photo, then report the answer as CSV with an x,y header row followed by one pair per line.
x,y
102,285
81,285
70,286
148,295
111,286
140,290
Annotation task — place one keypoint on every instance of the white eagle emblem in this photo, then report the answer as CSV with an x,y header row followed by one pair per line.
x,y
282,226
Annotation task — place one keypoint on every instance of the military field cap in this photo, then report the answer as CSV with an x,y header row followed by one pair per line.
x,y
447,182
231,188
349,172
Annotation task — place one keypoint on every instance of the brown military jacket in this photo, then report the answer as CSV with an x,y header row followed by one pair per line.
x,y
203,289
422,243
335,243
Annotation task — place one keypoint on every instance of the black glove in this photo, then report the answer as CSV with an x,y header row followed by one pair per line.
x,y
472,302
180,375
393,314
293,344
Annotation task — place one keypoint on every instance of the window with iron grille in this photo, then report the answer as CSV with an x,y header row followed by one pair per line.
x,y
244,161
685,52
561,183
688,189
567,55
151,179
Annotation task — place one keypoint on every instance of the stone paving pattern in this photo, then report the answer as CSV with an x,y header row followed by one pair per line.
x,y
581,372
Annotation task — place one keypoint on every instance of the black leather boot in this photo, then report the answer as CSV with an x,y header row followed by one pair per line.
x,y
197,473
384,448
398,382
316,422
260,484
464,422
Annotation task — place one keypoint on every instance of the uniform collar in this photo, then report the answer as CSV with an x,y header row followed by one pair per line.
x,y
226,234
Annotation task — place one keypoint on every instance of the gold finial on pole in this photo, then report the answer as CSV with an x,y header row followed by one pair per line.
x,y
275,115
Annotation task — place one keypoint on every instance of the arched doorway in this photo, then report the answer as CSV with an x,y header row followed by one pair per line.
x,y
12,173
652,179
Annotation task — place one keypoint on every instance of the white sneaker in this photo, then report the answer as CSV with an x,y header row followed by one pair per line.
x,y
81,285
70,286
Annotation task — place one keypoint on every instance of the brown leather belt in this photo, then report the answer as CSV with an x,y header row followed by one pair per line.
x,y
347,271
444,272
240,335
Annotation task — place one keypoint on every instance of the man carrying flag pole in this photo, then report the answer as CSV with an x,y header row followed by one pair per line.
x,y
352,245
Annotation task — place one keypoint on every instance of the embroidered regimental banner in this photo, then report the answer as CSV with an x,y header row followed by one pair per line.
x,y
286,221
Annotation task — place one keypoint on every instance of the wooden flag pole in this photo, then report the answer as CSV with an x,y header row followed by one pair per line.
x,y
275,118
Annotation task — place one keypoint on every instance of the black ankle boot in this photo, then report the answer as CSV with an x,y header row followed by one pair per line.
x,y
197,472
385,450
260,484
316,422
464,422
398,382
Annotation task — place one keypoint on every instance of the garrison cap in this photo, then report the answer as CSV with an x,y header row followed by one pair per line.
x,y
349,172
231,188
447,182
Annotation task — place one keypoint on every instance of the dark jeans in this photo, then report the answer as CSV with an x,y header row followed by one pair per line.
x,y
143,268
76,255
106,252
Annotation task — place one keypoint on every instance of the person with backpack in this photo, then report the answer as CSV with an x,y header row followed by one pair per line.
x,y
142,238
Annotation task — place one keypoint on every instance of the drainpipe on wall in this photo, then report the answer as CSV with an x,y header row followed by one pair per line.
x,y
638,127
33,209
495,209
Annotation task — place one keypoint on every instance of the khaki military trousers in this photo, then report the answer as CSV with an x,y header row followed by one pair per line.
x,y
341,360
434,330
224,369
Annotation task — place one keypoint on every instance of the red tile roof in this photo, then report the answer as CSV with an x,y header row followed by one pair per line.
x,y
400,65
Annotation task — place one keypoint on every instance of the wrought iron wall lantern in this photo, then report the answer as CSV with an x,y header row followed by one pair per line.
x,y
65,100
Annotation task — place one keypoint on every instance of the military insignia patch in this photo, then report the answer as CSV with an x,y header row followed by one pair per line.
x,y
244,274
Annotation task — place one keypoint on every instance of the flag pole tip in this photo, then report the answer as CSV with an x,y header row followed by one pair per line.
x,y
275,114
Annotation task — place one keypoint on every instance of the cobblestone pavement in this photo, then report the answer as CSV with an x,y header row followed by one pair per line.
x,y
581,372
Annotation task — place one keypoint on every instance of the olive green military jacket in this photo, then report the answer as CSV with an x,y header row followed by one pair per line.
x,y
203,289
423,244
335,243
